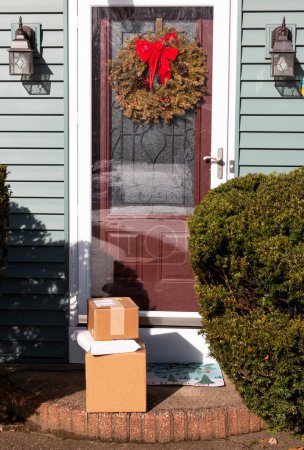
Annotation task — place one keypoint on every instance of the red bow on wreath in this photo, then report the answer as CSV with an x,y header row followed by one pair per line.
x,y
157,53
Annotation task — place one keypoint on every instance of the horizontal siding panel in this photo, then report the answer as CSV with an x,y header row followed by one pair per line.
x,y
272,123
49,38
37,221
35,173
259,20
300,35
31,351
51,56
48,56
270,5
266,157
258,37
31,156
21,6
256,55
245,170
33,296
32,106
36,237
272,140
259,89
35,254
47,21
17,89
41,270
32,334
32,318
37,189
33,286
12,302
31,139
56,72
261,72
253,37
37,205
31,123
272,106
52,38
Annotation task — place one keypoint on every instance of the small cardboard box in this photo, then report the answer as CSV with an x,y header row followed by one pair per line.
x,y
116,383
112,318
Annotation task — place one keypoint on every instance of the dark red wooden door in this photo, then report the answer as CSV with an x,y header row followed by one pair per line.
x,y
146,179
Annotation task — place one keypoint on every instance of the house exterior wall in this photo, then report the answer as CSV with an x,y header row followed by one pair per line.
x,y
271,126
33,138
34,301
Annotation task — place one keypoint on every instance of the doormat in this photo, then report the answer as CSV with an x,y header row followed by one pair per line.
x,y
194,374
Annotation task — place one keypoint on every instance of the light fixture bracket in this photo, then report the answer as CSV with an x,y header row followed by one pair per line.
x,y
283,54
281,32
268,36
33,31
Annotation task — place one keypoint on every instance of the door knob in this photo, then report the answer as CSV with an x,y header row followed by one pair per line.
x,y
218,160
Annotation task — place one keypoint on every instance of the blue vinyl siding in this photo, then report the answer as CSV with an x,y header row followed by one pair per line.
x,y
271,127
33,297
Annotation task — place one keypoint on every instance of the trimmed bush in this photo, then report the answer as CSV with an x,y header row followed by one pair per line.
x,y
4,215
247,249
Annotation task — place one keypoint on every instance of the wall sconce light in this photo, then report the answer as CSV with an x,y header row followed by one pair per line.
x,y
283,53
21,54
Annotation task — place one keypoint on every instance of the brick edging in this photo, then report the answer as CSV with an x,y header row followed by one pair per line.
x,y
154,426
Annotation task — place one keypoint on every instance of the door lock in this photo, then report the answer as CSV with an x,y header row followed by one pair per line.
x,y
218,160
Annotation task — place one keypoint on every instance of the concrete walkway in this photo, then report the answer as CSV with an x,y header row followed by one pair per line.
x,y
51,398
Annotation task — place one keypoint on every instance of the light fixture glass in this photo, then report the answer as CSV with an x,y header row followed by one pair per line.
x,y
21,59
282,54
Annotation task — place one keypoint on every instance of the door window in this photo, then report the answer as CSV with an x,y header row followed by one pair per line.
x,y
146,179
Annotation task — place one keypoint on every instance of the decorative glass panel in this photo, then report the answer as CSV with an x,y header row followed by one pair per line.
x,y
145,178
151,167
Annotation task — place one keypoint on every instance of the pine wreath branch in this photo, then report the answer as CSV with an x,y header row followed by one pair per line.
x,y
182,91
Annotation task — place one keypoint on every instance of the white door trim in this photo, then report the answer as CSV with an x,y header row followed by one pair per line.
x,y
223,120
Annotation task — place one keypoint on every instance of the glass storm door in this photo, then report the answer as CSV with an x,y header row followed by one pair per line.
x,y
146,179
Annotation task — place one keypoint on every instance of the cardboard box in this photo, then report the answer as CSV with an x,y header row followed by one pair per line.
x,y
116,383
112,318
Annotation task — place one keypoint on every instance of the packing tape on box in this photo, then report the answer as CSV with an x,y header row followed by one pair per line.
x,y
117,315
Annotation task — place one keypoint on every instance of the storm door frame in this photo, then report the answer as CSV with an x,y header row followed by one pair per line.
x,y
224,109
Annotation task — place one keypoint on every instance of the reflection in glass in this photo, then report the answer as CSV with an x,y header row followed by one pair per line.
x,y
140,174
152,166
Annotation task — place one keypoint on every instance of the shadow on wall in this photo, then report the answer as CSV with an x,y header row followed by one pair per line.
x,y
39,83
291,88
34,296
34,293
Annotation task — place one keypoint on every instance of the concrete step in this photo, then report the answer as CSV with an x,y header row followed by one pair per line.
x,y
51,398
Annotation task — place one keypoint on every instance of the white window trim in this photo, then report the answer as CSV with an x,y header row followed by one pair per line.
x,y
223,122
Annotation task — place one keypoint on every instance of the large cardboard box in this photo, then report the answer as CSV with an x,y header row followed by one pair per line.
x,y
116,383
112,318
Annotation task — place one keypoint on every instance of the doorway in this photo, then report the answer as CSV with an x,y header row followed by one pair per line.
x,y
146,178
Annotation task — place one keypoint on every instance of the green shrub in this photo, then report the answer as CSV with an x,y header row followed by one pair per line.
x,y
4,214
247,250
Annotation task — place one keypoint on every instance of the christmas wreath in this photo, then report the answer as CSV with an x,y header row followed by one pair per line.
x,y
159,76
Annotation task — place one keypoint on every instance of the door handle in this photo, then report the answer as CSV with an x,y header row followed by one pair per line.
x,y
219,161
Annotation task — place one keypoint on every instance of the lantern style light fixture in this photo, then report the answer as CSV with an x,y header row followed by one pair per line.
x,y
21,54
283,53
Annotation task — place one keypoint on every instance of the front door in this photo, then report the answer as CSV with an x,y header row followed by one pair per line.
x,y
146,179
